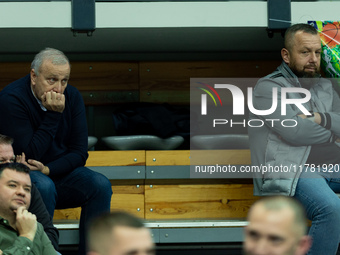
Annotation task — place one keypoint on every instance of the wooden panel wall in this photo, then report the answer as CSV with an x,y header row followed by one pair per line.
x,y
10,72
117,82
107,76
86,76
170,81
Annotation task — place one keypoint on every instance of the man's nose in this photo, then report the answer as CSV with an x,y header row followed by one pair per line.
x,y
21,191
262,248
314,58
57,87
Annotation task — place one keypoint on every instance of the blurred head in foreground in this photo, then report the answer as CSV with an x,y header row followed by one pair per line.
x,y
277,226
119,233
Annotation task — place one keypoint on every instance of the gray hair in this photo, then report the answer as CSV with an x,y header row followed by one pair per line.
x,y
56,56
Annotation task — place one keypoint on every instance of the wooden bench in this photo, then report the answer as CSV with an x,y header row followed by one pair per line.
x,y
156,186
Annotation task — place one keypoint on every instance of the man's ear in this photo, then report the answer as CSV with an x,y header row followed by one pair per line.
x,y
285,55
304,245
33,76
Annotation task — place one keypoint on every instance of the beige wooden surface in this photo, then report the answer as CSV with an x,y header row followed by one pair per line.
x,y
116,158
197,157
209,201
67,214
129,198
168,158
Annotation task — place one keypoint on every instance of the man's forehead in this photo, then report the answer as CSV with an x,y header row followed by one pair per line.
x,y
122,231
6,147
6,152
13,175
127,237
49,67
302,37
280,220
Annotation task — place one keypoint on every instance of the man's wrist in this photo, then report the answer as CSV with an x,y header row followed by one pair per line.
x,y
46,170
311,117
317,118
314,117
29,236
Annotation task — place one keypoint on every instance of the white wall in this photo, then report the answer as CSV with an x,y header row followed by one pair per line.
x,y
160,14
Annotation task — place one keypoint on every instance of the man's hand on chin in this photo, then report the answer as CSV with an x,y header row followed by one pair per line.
x,y
26,223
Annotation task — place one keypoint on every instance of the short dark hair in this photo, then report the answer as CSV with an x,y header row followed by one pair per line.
x,y
101,227
278,203
291,31
14,166
6,140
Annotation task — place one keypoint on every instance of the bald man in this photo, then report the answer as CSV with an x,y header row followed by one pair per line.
x,y
277,226
119,233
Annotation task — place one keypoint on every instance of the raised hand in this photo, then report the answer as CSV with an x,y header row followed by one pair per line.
x,y
34,165
53,101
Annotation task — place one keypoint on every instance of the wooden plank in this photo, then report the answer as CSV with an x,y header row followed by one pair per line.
x,y
67,214
132,203
94,76
168,158
170,81
136,188
116,158
197,157
197,181
198,201
129,198
10,72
